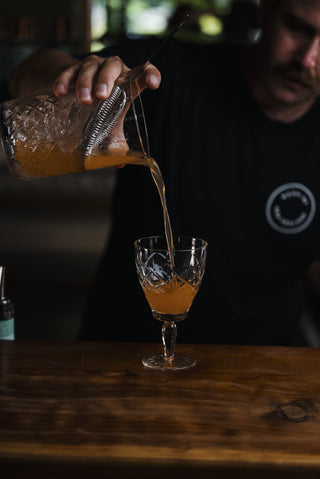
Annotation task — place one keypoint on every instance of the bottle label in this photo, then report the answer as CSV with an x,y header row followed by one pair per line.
x,y
7,329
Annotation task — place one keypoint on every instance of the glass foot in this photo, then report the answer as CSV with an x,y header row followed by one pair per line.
x,y
158,361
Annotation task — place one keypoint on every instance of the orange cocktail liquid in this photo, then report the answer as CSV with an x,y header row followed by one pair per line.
x,y
174,297
51,160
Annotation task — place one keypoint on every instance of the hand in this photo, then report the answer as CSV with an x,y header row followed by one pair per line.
x,y
95,76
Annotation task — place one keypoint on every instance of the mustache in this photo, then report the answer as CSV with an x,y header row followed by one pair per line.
x,y
297,74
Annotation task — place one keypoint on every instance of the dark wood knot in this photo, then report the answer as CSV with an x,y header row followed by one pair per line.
x,y
296,411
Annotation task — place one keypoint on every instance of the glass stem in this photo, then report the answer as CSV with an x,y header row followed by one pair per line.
x,y
169,336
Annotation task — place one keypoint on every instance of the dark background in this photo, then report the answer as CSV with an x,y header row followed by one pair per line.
x,y
53,230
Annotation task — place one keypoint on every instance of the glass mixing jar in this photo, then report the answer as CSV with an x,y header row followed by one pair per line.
x,y
43,135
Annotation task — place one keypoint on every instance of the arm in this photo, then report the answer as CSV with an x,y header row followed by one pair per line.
x,y
37,72
93,77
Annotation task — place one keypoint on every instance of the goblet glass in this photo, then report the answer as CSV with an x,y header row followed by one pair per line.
x,y
170,280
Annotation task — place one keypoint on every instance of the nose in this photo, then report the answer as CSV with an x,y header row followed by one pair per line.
x,y
310,53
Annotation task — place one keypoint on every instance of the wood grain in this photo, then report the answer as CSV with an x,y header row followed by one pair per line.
x,y
92,410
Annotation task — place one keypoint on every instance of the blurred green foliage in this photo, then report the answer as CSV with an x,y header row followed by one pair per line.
x,y
153,17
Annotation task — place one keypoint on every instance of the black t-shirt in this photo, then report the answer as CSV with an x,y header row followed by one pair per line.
x,y
246,184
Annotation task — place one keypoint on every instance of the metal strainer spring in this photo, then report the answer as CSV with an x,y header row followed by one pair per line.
x,y
102,120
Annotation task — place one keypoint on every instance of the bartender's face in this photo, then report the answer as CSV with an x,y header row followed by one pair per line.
x,y
291,50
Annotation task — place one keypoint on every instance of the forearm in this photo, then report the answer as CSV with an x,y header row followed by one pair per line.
x,y
37,73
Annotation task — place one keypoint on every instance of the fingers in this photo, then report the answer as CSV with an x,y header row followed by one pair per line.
x,y
147,77
62,82
111,69
86,79
95,77
92,77
151,76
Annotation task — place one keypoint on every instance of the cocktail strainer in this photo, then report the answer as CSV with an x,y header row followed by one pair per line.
x,y
102,120
108,112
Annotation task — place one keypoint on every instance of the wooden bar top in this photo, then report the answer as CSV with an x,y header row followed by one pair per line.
x,y
81,409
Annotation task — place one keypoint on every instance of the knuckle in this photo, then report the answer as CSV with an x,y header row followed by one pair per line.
x,y
113,58
92,61
114,61
91,58
95,57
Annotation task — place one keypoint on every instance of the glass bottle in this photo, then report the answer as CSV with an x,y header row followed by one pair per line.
x,y
6,311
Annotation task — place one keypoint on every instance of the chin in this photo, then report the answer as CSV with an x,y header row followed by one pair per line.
x,y
292,96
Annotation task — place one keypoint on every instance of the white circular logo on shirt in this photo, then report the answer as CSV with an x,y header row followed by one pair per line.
x,y
290,208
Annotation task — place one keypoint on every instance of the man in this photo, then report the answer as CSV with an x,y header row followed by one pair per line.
x,y
235,131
